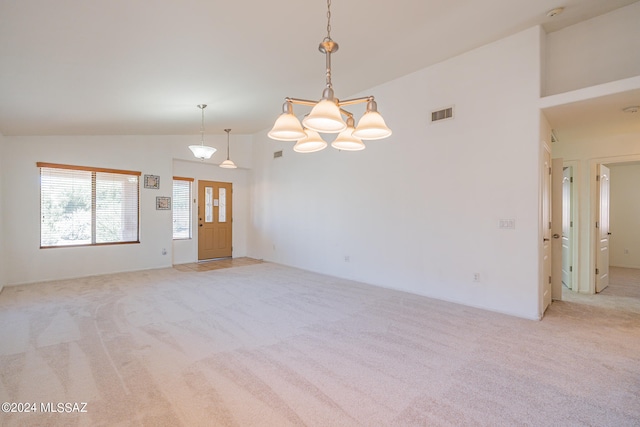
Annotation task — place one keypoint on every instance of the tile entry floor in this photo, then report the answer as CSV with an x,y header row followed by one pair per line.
x,y
217,264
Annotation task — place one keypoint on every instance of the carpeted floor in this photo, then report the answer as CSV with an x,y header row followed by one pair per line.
x,y
268,345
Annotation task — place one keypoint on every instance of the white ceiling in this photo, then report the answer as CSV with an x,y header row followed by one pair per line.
x,y
78,67
596,117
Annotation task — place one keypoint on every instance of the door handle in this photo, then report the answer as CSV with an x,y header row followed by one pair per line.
x,y
609,234
556,236
545,239
200,225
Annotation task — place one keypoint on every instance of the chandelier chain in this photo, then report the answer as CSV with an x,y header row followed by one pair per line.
x,y
328,19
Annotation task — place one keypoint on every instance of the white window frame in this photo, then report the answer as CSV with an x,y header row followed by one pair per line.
x,y
178,206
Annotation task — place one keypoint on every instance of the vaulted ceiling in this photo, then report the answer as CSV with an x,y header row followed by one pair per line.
x,y
140,67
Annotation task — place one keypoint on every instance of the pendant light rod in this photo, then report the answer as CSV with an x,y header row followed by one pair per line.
x,y
227,131
202,107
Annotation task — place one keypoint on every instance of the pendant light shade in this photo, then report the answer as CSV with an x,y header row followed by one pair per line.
x,y
311,143
371,125
325,117
346,141
287,127
228,164
202,151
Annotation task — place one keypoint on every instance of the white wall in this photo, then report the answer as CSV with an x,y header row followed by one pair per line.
x,y
625,215
26,262
3,273
419,211
185,251
599,50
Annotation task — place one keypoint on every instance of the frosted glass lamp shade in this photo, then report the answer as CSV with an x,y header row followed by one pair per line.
x,y
346,141
228,164
325,117
287,128
371,126
311,143
202,151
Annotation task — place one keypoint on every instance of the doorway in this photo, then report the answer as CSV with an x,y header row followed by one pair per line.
x,y
619,210
215,223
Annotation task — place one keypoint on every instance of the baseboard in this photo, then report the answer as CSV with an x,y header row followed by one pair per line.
x,y
626,266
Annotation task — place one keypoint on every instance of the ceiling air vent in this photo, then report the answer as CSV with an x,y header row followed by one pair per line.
x,y
446,113
277,154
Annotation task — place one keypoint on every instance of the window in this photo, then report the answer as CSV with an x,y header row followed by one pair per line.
x,y
87,206
182,207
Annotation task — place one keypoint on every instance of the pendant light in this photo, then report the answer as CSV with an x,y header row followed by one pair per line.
x,y
228,164
202,151
326,115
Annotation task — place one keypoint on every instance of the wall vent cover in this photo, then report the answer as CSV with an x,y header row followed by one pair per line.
x,y
277,154
445,113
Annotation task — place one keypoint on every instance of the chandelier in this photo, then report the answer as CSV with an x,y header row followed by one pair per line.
x,y
202,151
228,164
326,115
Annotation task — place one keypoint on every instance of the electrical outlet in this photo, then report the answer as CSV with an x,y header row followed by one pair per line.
x,y
347,258
476,277
164,251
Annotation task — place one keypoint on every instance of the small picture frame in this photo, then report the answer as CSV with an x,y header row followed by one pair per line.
x,y
152,181
163,203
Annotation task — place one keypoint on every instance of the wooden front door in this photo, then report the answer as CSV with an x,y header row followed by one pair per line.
x,y
214,219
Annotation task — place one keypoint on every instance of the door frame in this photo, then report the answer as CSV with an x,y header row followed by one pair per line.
x,y
544,231
557,179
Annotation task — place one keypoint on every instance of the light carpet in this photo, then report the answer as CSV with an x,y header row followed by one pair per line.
x,y
269,345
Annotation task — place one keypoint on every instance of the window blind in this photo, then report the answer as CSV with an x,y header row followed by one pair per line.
x,y
182,207
87,206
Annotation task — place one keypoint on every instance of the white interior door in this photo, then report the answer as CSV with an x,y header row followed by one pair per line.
x,y
546,230
602,229
556,229
567,227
